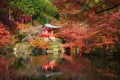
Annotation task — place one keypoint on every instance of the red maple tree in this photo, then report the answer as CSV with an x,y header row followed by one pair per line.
x,y
96,30
5,37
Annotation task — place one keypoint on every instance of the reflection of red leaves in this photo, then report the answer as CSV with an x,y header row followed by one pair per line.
x,y
67,58
50,65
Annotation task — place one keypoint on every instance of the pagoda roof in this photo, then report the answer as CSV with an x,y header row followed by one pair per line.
x,y
51,26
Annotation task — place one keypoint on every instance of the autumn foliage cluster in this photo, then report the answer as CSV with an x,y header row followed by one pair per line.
x,y
102,30
5,37
95,28
38,42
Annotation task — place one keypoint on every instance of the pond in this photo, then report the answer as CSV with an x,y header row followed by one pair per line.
x,y
89,67
107,67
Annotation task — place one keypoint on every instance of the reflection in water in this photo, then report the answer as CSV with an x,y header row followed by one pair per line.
x,y
92,68
107,67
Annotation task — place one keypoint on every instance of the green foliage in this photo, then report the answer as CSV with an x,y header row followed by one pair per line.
x,y
17,63
19,37
25,5
55,49
59,40
36,51
96,1
44,9
22,50
7,50
39,9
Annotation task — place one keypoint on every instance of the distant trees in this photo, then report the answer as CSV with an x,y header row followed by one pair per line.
x,y
39,9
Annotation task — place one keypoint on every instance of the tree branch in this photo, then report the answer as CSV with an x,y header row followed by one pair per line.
x,y
117,5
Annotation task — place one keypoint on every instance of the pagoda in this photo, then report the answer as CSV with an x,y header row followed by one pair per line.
x,y
48,30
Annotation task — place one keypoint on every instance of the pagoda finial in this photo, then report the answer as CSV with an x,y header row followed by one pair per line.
x,y
47,21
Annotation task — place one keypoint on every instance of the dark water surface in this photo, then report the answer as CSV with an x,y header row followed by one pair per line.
x,y
107,67
90,67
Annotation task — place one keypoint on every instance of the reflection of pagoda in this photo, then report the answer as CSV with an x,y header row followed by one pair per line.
x,y
48,30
